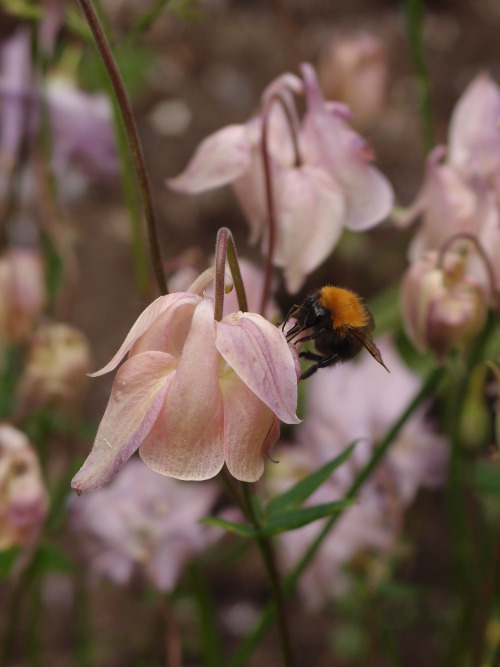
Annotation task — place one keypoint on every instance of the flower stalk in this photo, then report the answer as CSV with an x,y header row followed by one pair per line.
x,y
134,141
225,247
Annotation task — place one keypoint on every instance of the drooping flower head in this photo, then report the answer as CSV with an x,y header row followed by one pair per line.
x,y
322,179
194,393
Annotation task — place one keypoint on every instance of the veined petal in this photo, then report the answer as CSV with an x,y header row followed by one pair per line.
x,y
258,353
136,399
187,440
144,322
219,159
247,424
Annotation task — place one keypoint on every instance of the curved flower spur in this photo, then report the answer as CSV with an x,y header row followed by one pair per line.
x,y
194,393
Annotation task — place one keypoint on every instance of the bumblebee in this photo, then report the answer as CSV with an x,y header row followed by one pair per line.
x,y
338,324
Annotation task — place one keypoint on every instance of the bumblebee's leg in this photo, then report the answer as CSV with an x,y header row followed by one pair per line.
x,y
289,315
322,362
312,336
311,356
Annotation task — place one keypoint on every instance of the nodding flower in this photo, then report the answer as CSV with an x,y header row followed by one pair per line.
x,y
194,393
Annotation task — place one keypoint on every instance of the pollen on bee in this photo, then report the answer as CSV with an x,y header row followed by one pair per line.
x,y
346,307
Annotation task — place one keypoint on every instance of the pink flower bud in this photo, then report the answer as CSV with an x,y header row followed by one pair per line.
x,y
23,498
353,70
22,292
55,371
443,306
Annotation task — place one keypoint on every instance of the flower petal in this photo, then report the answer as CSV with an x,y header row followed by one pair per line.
x,y
247,423
187,439
258,352
329,143
144,323
219,159
306,193
138,393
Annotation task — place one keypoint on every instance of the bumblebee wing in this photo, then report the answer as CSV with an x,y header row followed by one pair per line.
x,y
366,340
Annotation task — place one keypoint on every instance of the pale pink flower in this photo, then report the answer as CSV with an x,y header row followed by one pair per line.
x,y
353,69
443,306
474,133
22,292
54,373
143,523
461,191
194,393
23,497
329,184
358,401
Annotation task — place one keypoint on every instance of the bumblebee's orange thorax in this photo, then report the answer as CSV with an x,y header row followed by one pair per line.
x,y
345,307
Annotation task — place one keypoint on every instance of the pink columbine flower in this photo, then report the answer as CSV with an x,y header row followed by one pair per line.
x,y
443,306
143,523
328,184
23,497
194,393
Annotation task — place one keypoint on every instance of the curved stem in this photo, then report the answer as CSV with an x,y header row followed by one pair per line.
x,y
133,138
486,262
226,248
253,639
267,552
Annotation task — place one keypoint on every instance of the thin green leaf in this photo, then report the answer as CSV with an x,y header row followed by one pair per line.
x,y
242,529
301,517
7,561
303,489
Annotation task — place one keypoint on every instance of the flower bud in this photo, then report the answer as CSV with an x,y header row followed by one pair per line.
x,y
23,497
442,306
58,359
22,292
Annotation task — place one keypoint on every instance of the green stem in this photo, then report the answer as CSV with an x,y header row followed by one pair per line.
x,y
254,637
267,552
413,11
133,138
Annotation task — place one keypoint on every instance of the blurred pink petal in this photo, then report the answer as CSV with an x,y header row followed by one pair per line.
x,y
330,144
474,134
308,194
219,159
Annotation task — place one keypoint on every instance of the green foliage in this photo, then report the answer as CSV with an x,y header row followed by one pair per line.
x,y
284,513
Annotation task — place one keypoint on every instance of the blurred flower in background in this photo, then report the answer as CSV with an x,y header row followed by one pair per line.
x,y
22,292
143,523
23,497
54,374
443,306
322,179
353,69
361,401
